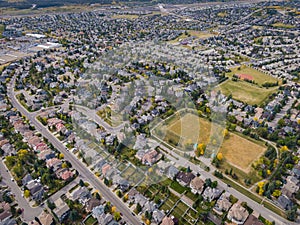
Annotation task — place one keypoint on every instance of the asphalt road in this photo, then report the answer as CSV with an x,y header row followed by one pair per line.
x,y
29,212
266,213
76,163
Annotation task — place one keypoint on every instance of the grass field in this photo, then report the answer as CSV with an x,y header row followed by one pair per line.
x,y
282,25
1,30
200,34
241,152
222,14
238,151
246,92
259,77
191,129
195,33
125,16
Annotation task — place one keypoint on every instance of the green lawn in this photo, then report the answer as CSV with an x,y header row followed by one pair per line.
x,y
259,77
128,172
1,29
245,92
90,221
282,25
179,210
169,203
178,187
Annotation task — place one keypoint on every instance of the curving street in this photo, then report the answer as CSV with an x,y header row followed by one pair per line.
x,y
84,172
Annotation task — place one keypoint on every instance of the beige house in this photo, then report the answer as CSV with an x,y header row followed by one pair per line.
x,y
197,185
237,214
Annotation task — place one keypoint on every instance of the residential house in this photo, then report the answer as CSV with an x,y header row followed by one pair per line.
x,y
184,178
291,187
211,193
148,157
62,209
252,220
105,219
284,202
158,216
26,179
197,185
8,149
141,199
237,214
46,218
223,204
120,182
105,168
172,172
98,211
91,204
66,175
54,163
131,194
149,206
167,221
36,189
47,154
82,194
5,211
296,171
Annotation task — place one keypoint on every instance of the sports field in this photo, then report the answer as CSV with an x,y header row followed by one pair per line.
x,y
241,152
238,151
190,128
125,16
259,77
246,92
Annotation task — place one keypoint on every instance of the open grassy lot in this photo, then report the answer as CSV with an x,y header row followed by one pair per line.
x,y
245,92
1,30
259,77
222,14
200,34
241,152
282,25
179,38
189,128
125,16
193,33
237,150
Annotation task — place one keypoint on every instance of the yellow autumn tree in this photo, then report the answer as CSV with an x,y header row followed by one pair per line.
x,y
260,186
225,133
61,156
220,156
284,148
27,193
113,209
200,149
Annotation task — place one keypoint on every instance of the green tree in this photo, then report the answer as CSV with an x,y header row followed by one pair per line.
x,y
73,216
138,208
117,216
